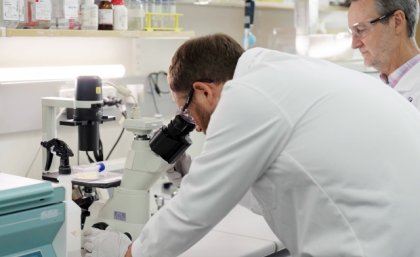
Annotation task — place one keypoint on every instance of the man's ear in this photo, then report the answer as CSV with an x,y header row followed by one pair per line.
x,y
400,22
209,92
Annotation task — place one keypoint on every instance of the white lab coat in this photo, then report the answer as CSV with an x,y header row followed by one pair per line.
x,y
409,86
331,155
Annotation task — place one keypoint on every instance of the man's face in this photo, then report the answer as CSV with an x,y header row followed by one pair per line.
x,y
197,109
373,39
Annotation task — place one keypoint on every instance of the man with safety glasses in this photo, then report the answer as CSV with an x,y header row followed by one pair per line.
x,y
384,32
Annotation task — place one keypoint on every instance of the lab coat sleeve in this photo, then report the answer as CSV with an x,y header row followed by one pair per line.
x,y
250,202
246,133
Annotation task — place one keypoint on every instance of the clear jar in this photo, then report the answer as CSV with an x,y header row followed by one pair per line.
x,y
89,15
136,14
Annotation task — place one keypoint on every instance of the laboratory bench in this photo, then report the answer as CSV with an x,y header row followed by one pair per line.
x,y
240,234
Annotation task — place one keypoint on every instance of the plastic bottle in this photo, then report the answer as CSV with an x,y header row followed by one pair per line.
x,y
106,15
136,14
10,11
65,14
89,15
120,15
38,14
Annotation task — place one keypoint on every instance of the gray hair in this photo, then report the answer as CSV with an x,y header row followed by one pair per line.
x,y
409,7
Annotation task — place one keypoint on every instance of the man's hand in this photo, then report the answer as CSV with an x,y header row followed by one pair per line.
x,y
179,170
105,243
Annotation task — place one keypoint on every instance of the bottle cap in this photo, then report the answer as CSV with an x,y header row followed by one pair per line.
x,y
118,2
101,166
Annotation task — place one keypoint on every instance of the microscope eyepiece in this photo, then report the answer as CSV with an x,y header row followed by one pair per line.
x,y
171,141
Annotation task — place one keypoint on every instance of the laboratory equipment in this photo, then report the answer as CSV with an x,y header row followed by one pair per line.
x,y
128,209
88,112
62,150
32,218
249,38
171,141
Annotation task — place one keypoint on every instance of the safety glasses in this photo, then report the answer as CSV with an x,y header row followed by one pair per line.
x,y
361,29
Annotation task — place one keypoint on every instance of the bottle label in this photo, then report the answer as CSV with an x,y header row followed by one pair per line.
x,y
120,18
71,9
106,17
90,17
43,10
10,10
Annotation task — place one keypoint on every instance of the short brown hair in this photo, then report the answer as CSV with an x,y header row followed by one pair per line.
x,y
207,58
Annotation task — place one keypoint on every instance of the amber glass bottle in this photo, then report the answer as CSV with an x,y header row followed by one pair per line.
x,y
106,15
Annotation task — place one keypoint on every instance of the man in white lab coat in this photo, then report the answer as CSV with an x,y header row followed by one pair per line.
x,y
330,154
384,32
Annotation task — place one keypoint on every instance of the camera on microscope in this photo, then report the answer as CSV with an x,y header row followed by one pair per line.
x,y
171,141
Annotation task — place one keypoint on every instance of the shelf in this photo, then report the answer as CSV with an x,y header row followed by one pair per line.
x,y
262,4
97,33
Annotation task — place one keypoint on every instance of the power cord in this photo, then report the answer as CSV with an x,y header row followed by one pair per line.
x,y
154,80
118,139
126,93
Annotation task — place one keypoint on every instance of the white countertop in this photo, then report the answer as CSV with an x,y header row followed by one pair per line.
x,y
241,233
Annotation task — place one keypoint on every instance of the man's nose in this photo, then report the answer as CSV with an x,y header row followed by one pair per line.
x,y
356,42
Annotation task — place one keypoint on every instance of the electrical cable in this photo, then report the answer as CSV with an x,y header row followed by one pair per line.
x,y
99,155
124,114
153,81
89,158
115,144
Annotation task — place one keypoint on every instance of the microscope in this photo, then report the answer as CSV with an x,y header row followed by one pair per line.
x,y
154,150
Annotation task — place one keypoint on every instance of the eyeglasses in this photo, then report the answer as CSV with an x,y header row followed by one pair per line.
x,y
361,29
184,109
